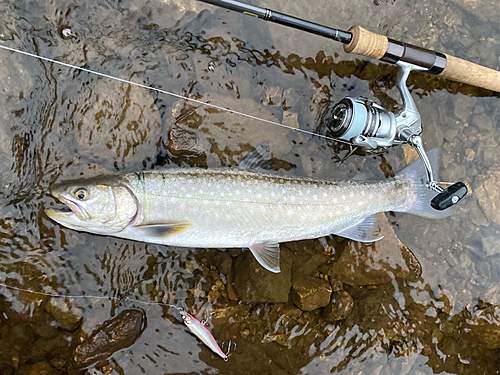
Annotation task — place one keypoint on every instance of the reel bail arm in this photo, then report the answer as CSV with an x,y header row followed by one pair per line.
x,y
372,127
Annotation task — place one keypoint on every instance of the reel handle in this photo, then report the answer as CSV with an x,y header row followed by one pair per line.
x,y
449,196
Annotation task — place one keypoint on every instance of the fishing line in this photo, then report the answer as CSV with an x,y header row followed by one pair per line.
x,y
110,298
170,93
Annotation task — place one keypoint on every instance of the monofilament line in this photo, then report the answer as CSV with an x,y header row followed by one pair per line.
x,y
83,296
170,93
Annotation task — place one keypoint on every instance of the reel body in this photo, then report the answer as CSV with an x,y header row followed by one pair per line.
x,y
366,124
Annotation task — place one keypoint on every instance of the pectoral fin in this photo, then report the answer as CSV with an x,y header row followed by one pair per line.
x,y
162,230
268,255
365,231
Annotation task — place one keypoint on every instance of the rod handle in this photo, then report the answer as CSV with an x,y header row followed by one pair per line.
x,y
380,47
366,43
473,74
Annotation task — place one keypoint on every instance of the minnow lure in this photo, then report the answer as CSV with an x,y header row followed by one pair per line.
x,y
200,331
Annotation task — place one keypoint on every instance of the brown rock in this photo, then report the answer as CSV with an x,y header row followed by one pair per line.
x,y
65,313
310,293
485,325
256,284
182,141
113,335
340,306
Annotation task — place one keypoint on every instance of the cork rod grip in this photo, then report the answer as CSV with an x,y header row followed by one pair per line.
x,y
366,43
377,46
466,72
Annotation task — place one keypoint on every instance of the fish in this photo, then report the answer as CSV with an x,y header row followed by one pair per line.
x,y
244,207
200,331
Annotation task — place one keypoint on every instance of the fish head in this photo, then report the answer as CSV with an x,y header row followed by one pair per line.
x,y
96,206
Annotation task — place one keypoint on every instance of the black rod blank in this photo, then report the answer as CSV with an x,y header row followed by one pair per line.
x,y
283,19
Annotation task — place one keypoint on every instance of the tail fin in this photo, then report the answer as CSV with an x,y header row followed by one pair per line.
x,y
423,196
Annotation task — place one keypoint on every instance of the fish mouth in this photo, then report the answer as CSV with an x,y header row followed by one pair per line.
x,y
72,213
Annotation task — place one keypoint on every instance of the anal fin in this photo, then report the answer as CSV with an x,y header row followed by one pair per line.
x,y
162,230
268,255
364,231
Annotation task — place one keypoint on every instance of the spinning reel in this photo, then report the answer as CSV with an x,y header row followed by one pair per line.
x,y
365,124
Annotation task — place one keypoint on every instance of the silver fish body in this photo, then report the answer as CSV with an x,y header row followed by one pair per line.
x,y
223,208
233,208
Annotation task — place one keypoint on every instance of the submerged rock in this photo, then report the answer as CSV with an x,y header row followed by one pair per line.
x,y
340,306
113,335
485,325
377,262
65,313
256,284
310,293
184,142
488,194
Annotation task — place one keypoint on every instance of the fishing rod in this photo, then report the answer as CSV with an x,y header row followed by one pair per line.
x,y
363,42
364,124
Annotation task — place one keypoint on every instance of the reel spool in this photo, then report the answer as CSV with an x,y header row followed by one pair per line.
x,y
365,124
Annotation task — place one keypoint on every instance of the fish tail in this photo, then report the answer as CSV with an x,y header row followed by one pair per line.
x,y
420,196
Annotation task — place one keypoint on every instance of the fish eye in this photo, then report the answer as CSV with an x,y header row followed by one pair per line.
x,y
81,194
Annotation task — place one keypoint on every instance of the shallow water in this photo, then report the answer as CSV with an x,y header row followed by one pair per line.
x,y
429,303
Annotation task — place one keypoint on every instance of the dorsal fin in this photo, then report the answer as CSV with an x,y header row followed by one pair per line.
x,y
258,160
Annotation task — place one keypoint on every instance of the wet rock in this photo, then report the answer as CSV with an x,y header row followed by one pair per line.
x,y
256,284
375,263
310,293
491,245
184,142
113,335
488,194
41,368
65,313
45,326
485,325
463,106
340,306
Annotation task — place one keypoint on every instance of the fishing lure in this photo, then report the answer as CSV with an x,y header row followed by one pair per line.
x,y
200,331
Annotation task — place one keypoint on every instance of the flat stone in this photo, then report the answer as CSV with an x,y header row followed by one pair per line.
x,y
488,194
310,293
340,306
254,283
113,335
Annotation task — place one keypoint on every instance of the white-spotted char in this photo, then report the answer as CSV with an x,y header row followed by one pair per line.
x,y
227,208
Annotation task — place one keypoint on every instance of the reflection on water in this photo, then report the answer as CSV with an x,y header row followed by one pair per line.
x,y
424,300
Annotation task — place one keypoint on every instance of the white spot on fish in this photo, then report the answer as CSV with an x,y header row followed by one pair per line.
x,y
229,203
346,208
370,196
315,197
290,212
259,195
343,197
292,198
335,200
363,193
351,194
273,194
